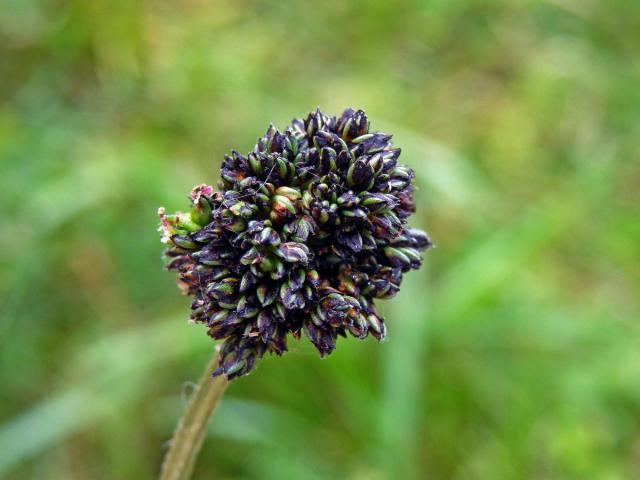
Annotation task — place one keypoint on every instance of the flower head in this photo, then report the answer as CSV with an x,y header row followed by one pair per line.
x,y
301,237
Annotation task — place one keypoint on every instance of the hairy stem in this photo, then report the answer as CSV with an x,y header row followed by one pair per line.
x,y
180,459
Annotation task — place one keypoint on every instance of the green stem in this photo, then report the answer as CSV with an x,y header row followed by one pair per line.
x,y
189,435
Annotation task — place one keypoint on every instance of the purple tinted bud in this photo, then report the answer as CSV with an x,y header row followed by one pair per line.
x,y
293,252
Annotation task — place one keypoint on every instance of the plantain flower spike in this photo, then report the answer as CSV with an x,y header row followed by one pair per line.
x,y
301,237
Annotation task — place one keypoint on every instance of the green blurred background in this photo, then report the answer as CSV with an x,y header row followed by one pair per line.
x,y
514,353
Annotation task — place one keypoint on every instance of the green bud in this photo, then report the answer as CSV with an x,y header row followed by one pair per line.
x,y
201,212
245,310
307,199
317,317
219,316
254,164
345,129
374,323
228,286
252,256
362,138
292,144
397,257
279,271
267,265
183,242
236,367
291,193
183,222
355,213
283,168
284,202
265,296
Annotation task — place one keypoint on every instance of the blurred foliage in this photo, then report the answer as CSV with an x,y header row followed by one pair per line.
x,y
512,354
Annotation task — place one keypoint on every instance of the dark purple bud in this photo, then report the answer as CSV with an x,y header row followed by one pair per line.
x,y
277,142
373,142
352,124
384,283
328,159
256,226
297,127
211,236
291,300
322,139
208,257
348,200
387,225
360,174
293,252
419,239
268,236
352,239
297,279
344,159
322,339
264,143
251,256
316,121
301,228
249,279
266,326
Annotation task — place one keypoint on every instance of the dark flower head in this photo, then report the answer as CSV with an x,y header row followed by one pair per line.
x,y
301,237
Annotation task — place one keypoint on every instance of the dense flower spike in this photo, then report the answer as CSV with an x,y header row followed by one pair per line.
x,y
303,234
